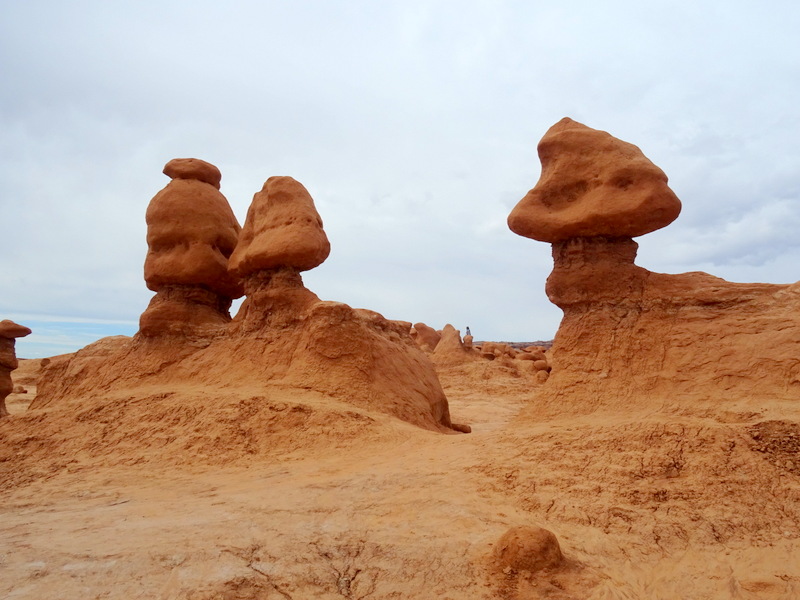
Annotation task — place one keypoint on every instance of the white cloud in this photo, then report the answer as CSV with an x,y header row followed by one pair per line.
x,y
414,125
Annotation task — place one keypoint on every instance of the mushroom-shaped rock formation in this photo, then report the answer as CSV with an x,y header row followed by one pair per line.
x,y
282,236
283,339
283,230
9,331
595,193
191,233
630,334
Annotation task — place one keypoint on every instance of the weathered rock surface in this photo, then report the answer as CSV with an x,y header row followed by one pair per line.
x,y
528,548
427,337
193,169
283,337
9,331
191,233
283,230
450,348
593,184
631,335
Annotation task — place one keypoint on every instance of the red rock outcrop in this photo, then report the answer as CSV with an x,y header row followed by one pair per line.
x,y
450,348
283,337
629,335
426,337
591,185
9,331
282,237
191,233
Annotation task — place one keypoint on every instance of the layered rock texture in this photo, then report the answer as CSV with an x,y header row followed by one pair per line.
x,y
283,337
282,237
629,334
9,332
191,233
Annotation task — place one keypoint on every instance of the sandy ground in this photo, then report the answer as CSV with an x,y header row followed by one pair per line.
x,y
658,504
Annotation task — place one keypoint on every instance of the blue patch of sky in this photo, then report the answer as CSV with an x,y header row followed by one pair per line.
x,y
50,338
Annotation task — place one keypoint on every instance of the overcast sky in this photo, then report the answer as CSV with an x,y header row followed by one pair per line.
x,y
414,126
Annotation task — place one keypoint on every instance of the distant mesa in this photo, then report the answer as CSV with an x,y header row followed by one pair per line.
x,y
9,331
283,336
629,334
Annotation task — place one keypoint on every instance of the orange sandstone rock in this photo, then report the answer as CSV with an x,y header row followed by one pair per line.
x,y
191,233
283,337
450,348
282,230
593,184
193,169
282,236
629,335
9,331
528,548
427,337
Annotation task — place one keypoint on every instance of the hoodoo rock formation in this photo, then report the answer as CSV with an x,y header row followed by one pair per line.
x,y
191,233
282,237
629,333
9,331
283,337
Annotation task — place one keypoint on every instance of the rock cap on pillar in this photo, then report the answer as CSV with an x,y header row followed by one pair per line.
x,y
282,230
11,330
191,231
593,185
193,168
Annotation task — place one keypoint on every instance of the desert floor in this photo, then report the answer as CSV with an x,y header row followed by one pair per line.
x,y
323,501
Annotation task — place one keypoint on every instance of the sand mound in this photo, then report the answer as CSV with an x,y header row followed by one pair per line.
x,y
528,548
